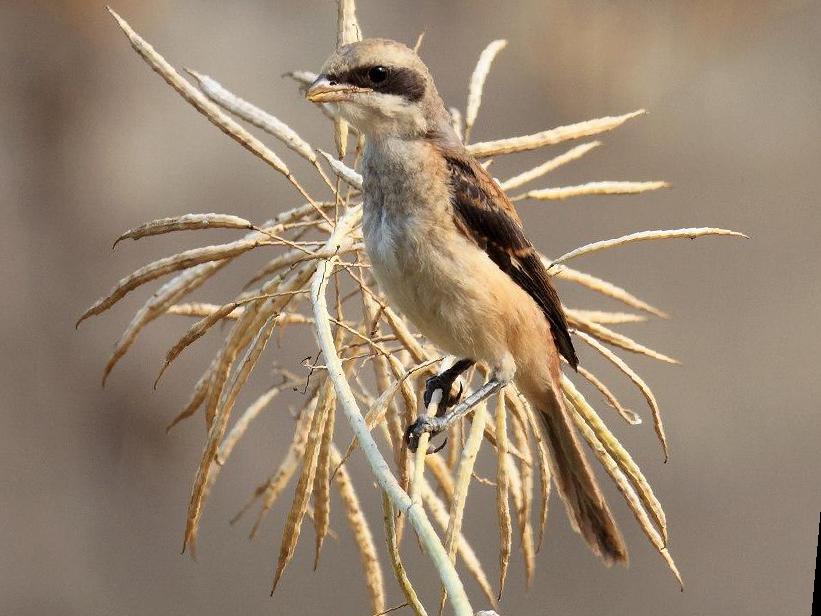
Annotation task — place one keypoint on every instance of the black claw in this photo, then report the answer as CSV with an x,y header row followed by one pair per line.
x,y
437,448
458,396
431,385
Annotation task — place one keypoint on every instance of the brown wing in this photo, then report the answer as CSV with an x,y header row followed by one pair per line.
x,y
484,213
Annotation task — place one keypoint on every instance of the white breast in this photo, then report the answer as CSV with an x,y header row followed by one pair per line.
x,y
445,284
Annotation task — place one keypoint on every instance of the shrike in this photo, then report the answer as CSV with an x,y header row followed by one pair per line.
x,y
448,249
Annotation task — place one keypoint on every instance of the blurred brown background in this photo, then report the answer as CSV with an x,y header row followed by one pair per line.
x,y
91,143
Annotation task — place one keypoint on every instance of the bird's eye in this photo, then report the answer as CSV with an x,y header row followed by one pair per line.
x,y
378,74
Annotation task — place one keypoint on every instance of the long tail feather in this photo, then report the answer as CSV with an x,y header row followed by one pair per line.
x,y
585,503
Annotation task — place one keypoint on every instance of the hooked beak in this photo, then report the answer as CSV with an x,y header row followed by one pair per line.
x,y
323,90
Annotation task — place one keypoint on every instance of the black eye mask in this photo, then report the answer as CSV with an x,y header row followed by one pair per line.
x,y
403,82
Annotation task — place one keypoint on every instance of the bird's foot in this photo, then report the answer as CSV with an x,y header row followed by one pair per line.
x,y
444,383
433,425
424,424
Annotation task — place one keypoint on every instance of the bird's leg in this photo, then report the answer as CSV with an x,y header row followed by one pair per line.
x,y
444,382
435,425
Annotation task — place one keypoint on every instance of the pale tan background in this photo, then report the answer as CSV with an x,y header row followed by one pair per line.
x,y
91,143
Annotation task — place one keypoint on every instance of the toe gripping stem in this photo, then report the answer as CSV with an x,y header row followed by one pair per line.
x,y
442,383
435,425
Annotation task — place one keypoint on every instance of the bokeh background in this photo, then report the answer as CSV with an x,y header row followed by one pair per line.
x,y
92,490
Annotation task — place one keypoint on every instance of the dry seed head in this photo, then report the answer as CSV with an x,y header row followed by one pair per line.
x,y
608,289
605,317
629,416
550,165
277,482
590,188
619,454
643,236
550,137
253,115
502,492
637,380
363,537
477,82
293,523
396,560
620,340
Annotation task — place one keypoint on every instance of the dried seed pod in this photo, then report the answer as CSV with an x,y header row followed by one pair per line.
x,y
176,288
347,25
605,317
240,427
186,222
252,114
418,44
271,489
196,331
456,122
206,107
363,537
375,415
502,491
322,480
201,310
618,453
543,459
343,171
643,236
161,267
523,497
306,78
277,264
198,396
624,486
443,476
477,82
629,416
637,380
620,340
396,560
347,31
546,167
404,335
517,490
605,288
382,375
550,137
591,188
293,523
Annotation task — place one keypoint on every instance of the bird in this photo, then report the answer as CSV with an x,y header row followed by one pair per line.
x,y
449,250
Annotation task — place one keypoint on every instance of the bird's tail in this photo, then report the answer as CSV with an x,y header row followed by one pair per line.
x,y
586,507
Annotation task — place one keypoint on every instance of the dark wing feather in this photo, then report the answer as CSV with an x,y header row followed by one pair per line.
x,y
484,213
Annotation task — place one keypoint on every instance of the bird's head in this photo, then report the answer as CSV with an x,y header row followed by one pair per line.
x,y
382,88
